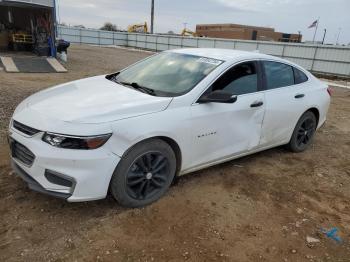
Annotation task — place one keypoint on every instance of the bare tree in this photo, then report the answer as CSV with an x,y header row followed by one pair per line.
x,y
79,26
108,26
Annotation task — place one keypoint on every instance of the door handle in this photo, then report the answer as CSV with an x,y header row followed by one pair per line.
x,y
299,96
257,104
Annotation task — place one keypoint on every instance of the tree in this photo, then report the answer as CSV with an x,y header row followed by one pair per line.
x,y
79,26
171,32
108,26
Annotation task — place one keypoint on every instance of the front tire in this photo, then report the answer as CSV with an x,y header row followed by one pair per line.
x,y
303,133
144,173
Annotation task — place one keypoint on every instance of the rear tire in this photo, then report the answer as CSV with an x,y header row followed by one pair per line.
x,y
144,173
303,133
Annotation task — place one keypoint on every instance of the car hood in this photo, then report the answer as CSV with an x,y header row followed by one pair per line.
x,y
92,100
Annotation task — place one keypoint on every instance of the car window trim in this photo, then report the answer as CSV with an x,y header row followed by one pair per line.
x,y
295,76
259,72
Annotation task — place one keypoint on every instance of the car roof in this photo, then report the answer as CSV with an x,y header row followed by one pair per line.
x,y
224,54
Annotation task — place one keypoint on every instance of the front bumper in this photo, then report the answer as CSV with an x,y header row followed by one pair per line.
x,y
89,171
34,185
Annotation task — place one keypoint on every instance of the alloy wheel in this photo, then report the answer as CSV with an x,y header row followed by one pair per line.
x,y
147,175
306,132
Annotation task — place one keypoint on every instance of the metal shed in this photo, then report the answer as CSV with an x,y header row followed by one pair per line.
x,y
28,26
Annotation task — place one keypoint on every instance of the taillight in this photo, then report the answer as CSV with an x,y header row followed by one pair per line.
x,y
330,91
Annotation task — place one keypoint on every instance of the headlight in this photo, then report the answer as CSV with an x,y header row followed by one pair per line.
x,y
75,142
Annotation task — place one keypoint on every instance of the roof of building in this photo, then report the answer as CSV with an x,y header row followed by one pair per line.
x,y
235,25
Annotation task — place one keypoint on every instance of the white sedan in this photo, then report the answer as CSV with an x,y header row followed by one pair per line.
x,y
178,111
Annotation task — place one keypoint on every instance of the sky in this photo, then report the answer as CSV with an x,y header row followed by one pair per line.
x,y
288,16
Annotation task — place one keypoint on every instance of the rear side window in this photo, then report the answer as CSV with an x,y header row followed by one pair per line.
x,y
299,76
278,74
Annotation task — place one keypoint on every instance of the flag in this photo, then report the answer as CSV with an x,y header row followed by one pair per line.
x,y
314,24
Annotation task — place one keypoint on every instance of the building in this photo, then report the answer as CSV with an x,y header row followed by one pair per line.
x,y
28,26
245,32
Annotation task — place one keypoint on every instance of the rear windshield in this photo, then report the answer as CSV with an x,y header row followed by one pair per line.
x,y
169,74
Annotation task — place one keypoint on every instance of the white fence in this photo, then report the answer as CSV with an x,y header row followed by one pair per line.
x,y
331,60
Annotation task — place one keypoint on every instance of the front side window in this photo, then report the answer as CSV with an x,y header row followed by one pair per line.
x,y
168,74
239,80
278,74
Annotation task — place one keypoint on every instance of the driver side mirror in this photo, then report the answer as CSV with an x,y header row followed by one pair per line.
x,y
218,96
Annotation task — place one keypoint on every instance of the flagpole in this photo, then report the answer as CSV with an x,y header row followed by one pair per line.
x,y
313,40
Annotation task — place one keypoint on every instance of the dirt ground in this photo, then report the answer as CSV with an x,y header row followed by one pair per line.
x,y
258,208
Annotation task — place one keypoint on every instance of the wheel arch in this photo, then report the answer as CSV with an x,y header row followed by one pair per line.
x,y
171,142
313,110
176,148
316,112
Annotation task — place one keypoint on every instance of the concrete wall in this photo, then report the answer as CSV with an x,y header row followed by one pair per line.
x,y
332,60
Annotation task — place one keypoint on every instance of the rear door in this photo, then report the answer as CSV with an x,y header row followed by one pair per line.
x,y
285,92
222,130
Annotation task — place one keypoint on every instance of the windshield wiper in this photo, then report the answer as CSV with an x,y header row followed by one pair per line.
x,y
136,86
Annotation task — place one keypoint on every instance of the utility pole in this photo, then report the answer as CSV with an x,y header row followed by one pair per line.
x,y
324,35
318,20
299,36
152,16
337,42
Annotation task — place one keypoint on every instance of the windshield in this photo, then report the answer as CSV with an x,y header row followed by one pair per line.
x,y
167,74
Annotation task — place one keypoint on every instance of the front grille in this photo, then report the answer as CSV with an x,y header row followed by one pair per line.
x,y
21,153
25,129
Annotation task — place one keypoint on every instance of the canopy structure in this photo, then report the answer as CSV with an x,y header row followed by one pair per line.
x,y
28,26
44,3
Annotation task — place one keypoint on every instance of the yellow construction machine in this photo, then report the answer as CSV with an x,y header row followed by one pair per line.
x,y
187,32
138,28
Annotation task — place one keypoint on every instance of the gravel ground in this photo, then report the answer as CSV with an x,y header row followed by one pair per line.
x,y
258,208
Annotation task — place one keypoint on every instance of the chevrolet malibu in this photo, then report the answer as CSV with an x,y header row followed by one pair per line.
x,y
131,132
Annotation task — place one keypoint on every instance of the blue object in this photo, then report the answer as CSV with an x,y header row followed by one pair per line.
x,y
52,47
332,234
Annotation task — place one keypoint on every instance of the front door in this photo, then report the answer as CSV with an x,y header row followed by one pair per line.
x,y
221,130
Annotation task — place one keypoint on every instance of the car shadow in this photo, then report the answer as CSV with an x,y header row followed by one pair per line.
x,y
23,196
239,163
